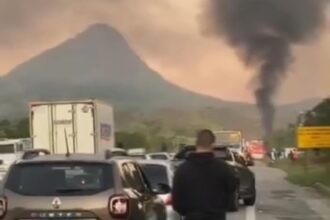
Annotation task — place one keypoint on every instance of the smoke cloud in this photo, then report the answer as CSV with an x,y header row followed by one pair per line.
x,y
264,32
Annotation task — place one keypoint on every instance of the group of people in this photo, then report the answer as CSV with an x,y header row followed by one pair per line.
x,y
275,155
203,185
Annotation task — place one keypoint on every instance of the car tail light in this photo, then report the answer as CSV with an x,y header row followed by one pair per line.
x,y
168,200
119,206
3,206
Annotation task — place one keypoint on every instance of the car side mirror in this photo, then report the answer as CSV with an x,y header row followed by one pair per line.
x,y
250,163
162,189
242,161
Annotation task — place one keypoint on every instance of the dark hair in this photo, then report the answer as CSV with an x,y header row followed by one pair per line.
x,y
205,137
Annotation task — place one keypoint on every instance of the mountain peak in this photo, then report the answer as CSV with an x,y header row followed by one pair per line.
x,y
100,31
98,63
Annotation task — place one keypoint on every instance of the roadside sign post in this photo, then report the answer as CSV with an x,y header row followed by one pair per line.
x,y
306,162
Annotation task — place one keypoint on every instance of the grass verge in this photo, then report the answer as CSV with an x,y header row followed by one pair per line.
x,y
305,176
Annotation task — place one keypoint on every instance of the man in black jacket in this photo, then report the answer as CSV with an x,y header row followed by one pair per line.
x,y
203,185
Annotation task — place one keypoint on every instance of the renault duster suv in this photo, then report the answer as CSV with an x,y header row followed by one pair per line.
x,y
79,187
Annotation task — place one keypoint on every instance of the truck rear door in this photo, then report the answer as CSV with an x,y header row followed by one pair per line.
x,y
63,125
84,128
41,127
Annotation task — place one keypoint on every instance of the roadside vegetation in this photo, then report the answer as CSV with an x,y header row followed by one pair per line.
x,y
313,166
306,173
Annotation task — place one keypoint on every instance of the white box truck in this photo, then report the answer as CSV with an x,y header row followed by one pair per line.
x,y
10,151
85,126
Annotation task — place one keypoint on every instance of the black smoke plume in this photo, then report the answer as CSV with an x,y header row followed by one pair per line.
x,y
263,32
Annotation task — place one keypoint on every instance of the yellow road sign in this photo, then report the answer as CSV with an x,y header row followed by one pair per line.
x,y
313,137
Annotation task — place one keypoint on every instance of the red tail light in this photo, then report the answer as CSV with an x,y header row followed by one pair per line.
x,y
168,200
3,206
119,206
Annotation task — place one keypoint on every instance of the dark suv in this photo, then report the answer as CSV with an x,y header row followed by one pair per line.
x,y
79,187
245,177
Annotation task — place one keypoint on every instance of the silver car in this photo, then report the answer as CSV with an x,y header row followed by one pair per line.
x,y
78,186
159,156
161,171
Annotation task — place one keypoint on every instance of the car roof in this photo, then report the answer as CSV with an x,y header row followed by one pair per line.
x,y
117,149
92,158
158,153
191,148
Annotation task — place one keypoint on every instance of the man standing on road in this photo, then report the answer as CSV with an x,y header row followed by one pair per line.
x,y
203,185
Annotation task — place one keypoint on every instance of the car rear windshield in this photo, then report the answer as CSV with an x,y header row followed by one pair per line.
x,y
223,154
49,179
155,174
158,157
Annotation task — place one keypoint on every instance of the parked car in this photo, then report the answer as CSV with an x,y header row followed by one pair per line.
x,y
159,156
118,152
161,172
79,187
137,153
246,189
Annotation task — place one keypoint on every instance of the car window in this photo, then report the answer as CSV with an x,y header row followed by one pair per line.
x,y
239,159
19,147
138,156
133,177
158,156
119,153
127,177
223,154
7,148
155,174
184,152
60,178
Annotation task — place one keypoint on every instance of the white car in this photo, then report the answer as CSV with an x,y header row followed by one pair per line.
x,y
161,171
159,156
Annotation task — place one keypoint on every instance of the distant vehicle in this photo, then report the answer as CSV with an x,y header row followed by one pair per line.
x,y
79,186
85,126
231,138
138,153
246,189
161,172
159,156
256,149
118,152
10,151
172,155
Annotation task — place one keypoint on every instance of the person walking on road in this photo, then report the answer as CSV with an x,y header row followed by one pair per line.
x,y
203,185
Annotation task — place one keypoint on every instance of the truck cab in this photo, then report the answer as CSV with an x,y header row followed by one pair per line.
x,y
11,150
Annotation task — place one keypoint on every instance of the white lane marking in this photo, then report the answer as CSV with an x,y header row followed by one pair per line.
x,y
250,213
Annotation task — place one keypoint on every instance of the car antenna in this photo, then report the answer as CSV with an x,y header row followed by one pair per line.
x,y
66,143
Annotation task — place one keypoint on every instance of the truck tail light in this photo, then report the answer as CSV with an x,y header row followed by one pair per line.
x,y
3,206
119,206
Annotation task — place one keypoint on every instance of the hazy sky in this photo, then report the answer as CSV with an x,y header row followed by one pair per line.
x,y
167,35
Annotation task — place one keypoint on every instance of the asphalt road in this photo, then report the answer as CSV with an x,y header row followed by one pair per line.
x,y
280,200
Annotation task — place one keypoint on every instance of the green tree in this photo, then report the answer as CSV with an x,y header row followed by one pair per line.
x,y
283,138
132,139
22,129
320,115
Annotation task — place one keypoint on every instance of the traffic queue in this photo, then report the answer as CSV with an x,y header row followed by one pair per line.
x,y
71,169
113,185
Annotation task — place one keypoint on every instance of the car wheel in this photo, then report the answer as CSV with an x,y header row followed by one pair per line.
x,y
251,200
234,202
